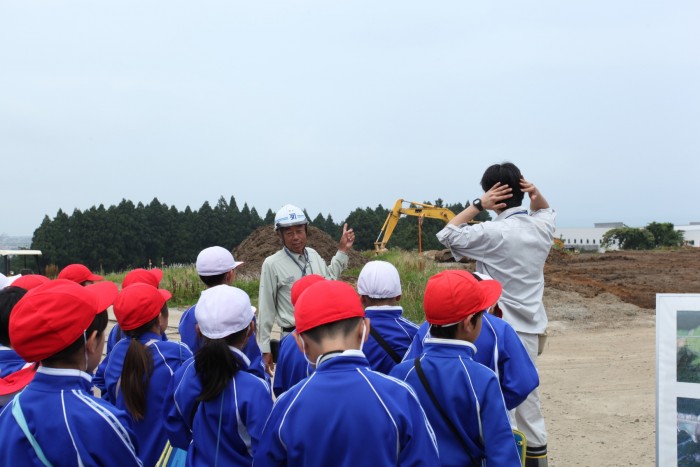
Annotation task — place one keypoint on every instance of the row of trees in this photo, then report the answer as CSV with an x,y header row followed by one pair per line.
x,y
654,235
128,236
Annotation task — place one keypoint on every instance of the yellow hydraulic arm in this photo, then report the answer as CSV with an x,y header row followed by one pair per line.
x,y
419,210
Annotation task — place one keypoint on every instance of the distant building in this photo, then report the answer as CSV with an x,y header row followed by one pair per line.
x,y
691,233
586,238
589,238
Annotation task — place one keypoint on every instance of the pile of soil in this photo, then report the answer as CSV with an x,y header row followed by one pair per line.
x,y
264,242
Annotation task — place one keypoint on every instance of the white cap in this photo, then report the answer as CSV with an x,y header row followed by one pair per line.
x,y
7,281
223,310
215,260
379,279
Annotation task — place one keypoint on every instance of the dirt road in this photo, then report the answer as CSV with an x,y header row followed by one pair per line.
x,y
598,396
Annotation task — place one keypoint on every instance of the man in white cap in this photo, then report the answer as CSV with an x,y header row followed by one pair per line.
x,y
216,266
282,269
379,287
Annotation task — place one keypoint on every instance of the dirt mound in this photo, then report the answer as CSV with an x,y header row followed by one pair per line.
x,y
633,276
263,242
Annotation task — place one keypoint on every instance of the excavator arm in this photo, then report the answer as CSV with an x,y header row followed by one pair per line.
x,y
414,208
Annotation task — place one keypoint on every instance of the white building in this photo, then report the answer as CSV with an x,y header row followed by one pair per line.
x,y
586,238
589,238
691,233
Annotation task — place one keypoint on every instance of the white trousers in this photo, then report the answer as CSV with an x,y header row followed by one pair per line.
x,y
528,415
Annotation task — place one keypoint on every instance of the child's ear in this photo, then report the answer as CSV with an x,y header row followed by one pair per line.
x,y
297,339
365,328
91,342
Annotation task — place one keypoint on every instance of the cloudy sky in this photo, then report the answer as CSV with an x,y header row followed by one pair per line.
x,y
338,105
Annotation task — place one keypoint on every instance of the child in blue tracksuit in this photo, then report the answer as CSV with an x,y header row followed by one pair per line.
x,y
344,414
379,287
10,361
139,275
216,266
138,370
55,419
462,398
500,349
216,410
291,365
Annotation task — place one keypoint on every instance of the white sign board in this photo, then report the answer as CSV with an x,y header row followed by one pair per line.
x,y
677,379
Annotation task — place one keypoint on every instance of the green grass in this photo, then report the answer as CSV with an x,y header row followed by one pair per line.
x,y
414,270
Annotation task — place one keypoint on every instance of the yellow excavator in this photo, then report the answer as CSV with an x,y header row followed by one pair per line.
x,y
420,210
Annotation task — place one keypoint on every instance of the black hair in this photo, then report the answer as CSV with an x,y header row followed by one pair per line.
x,y
212,281
98,324
507,174
136,371
342,327
215,364
450,332
9,297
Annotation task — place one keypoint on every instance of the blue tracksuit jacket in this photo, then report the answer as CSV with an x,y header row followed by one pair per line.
x,y
10,361
188,334
499,348
398,332
291,366
344,415
470,394
70,425
167,356
224,430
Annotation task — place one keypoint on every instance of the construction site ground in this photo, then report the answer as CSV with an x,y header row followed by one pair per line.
x,y
598,368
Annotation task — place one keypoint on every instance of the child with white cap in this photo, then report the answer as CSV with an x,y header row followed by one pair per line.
x,y
55,420
216,409
216,266
138,370
391,334
499,348
344,413
462,398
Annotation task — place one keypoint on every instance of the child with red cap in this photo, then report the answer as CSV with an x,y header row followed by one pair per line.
x,y
499,348
139,368
135,276
15,373
291,365
216,409
55,420
462,398
391,334
79,274
344,414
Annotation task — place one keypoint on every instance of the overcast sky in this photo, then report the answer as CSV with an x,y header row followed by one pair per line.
x,y
338,105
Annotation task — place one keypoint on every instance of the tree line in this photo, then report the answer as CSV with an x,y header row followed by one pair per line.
x,y
128,236
654,235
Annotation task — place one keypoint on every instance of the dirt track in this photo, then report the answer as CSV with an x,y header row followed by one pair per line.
x,y
598,369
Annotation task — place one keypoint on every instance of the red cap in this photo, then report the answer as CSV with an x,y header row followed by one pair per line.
x,y
138,304
52,316
17,380
146,276
30,281
326,302
451,296
304,283
78,273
